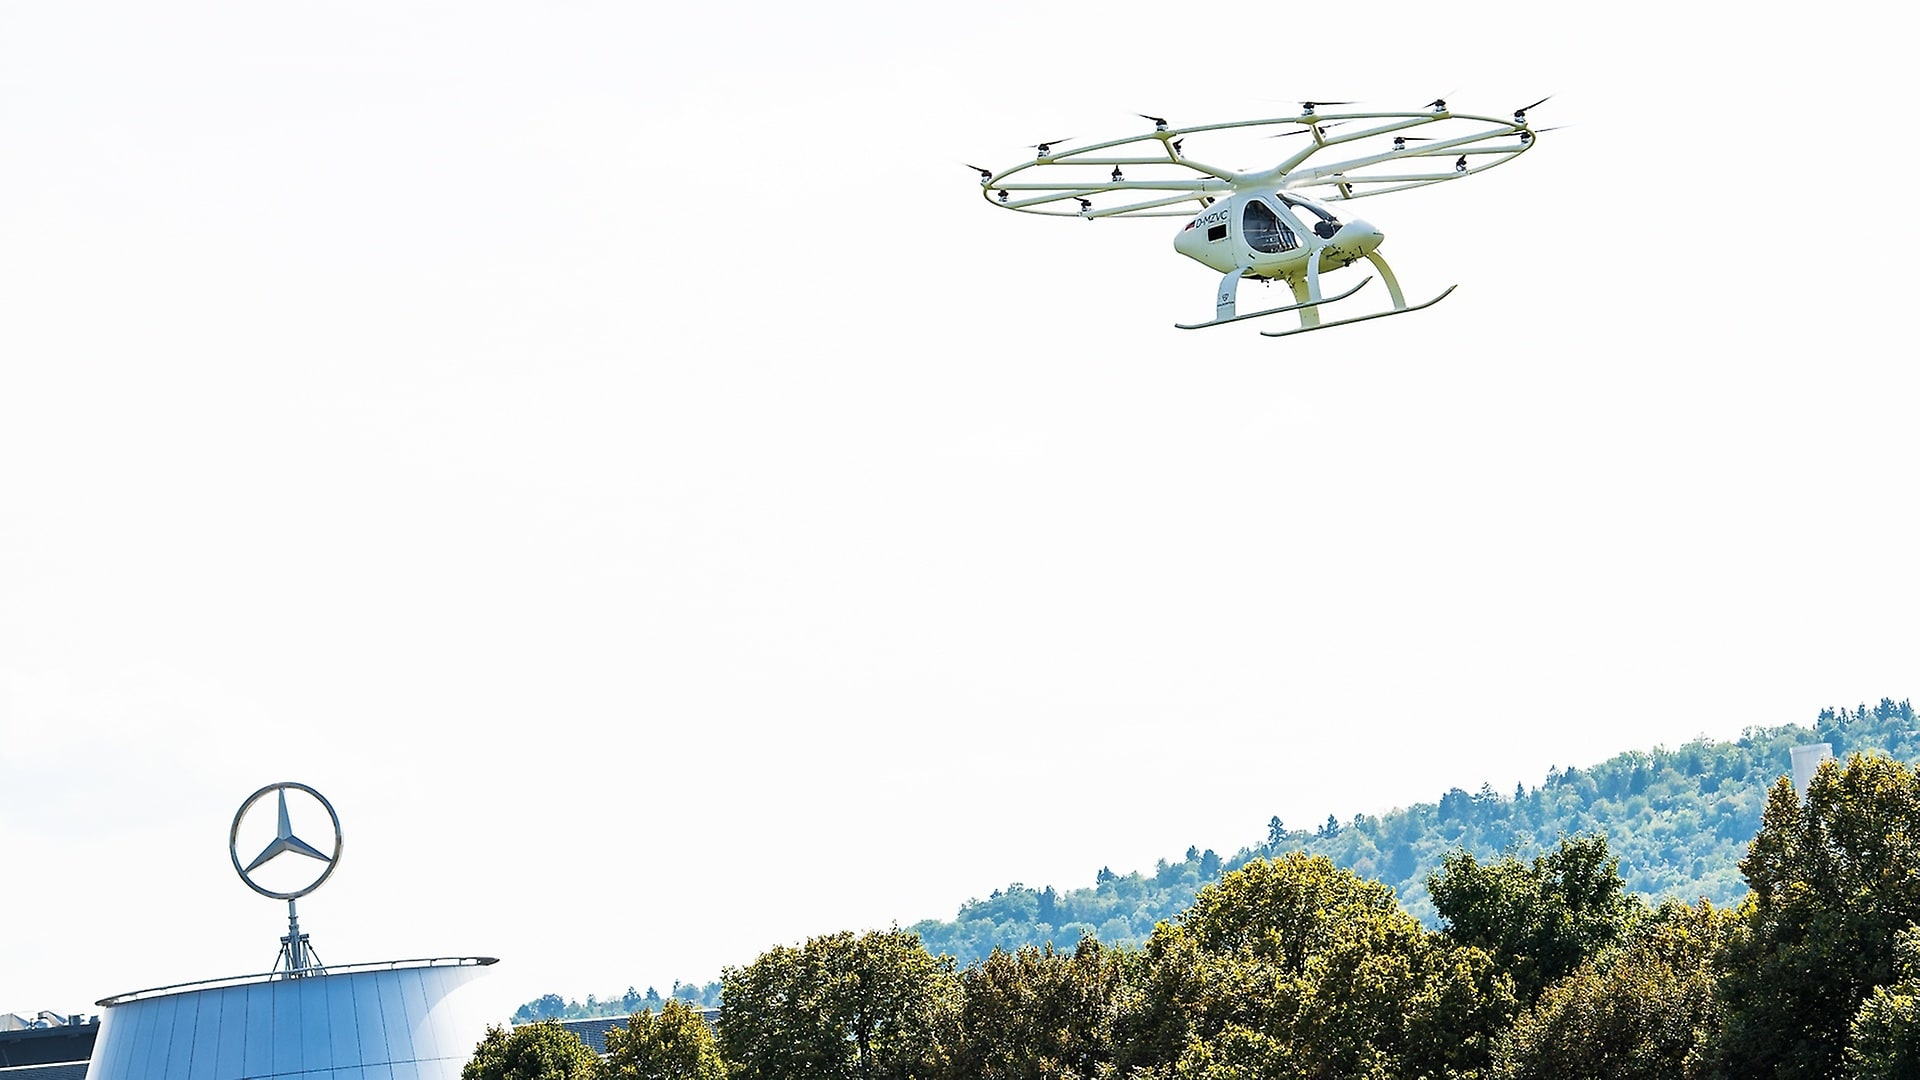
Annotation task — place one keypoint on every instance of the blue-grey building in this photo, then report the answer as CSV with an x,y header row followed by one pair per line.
x,y
404,1020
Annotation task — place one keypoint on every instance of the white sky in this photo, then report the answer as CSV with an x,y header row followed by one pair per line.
x,y
616,456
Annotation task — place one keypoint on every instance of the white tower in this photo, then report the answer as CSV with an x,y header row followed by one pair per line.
x,y
1806,762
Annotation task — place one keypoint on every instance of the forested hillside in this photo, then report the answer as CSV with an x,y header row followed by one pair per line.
x,y
1291,968
1679,821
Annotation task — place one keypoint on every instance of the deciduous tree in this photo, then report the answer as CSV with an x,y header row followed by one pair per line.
x,y
542,1051
1293,967
1035,1014
673,1044
840,1007
1540,920
1644,1010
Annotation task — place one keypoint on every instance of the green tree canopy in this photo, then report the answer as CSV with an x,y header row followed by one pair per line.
x,y
840,1007
673,1044
1884,1039
542,1051
1540,920
1834,883
1036,1013
1644,1010
1293,967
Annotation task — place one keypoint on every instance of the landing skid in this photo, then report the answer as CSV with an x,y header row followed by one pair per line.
x,y
1275,311
1358,318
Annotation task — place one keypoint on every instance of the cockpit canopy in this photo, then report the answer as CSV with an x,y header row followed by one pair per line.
x,y
1266,232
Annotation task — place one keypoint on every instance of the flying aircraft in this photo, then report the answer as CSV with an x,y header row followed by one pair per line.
x,y
1275,223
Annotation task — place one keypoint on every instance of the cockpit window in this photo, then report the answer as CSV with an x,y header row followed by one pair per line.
x,y
1264,230
1325,226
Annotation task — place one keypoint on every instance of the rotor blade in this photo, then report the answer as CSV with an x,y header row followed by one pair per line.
x,y
1309,127
985,174
1522,110
1049,142
1158,121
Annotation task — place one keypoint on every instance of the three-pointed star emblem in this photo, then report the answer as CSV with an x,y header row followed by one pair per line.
x,y
284,841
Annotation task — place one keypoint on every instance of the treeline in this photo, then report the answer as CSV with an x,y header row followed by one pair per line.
x,y
1678,820
555,1007
1292,967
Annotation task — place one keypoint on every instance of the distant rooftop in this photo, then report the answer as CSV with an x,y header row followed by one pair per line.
x,y
593,1030
46,1046
42,1020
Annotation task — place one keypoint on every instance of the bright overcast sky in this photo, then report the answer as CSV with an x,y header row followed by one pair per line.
x,y
619,459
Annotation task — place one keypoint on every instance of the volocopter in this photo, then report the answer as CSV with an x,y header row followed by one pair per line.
x,y
1275,223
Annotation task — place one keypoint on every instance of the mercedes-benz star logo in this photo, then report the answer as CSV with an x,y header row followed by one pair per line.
x,y
284,841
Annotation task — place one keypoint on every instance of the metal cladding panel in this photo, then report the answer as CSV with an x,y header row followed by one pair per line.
x,y
180,1041
316,1043
369,1026
157,1029
285,1054
409,1023
414,993
343,1026
255,1031
229,1042
206,1036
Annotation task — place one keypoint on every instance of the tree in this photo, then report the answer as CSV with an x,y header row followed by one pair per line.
x,y
1884,1039
1834,882
542,1051
1642,1011
1292,967
544,1007
674,1044
1539,920
840,1007
1036,1013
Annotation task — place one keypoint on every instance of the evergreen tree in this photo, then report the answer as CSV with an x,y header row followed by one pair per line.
x,y
1834,883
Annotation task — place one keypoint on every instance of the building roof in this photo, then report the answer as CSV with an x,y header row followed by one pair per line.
x,y
65,1070
44,1043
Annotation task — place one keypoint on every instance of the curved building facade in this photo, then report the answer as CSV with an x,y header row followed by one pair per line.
x,y
405,1020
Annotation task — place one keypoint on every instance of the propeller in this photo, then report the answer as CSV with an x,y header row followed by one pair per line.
x,y
1116,174
1311,127
1003,194
1400,141
985,174
1176,146
1307,107
1520,114
1084,205
1439,104
1046,148
1461,165
1527,135
1159,122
